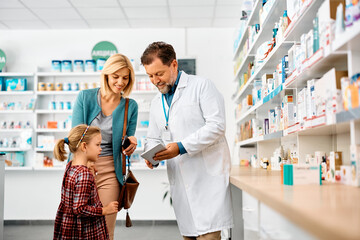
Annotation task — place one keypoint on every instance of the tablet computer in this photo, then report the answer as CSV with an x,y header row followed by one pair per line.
x,y
150,154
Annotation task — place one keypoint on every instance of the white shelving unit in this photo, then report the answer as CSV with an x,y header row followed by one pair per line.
x,y
42,114
343,55
16,93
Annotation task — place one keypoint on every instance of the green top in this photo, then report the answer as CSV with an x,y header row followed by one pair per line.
x,y
86,108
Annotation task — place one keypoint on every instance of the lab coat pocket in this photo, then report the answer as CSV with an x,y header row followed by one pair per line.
x,y
214,158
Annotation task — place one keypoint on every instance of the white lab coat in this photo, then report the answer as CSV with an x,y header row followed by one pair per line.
x,y
199,179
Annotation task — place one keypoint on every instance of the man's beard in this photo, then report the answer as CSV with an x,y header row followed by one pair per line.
x,y
166,89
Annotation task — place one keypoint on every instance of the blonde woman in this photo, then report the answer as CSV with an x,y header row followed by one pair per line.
x,y
104,107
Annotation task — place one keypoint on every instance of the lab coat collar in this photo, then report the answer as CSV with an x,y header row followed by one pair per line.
x,y
182,84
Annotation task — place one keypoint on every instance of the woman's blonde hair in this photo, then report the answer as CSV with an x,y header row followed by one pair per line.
x,y
73,139
113,64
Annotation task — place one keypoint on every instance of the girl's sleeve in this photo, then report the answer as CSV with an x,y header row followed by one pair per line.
x,y
83,187
132,118
78,112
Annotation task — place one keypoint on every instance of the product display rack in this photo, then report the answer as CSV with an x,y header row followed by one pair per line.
x,y
342,56
319,136
41,112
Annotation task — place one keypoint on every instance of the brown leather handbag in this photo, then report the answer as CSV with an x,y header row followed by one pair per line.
x,y
128,190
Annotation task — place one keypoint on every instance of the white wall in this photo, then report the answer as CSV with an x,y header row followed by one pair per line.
x,y
35,195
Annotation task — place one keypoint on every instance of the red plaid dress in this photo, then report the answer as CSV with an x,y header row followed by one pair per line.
x,y
79,215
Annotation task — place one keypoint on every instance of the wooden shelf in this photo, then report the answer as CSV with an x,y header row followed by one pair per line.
x,y
328,211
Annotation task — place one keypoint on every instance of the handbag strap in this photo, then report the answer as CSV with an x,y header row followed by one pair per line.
x,y
123,135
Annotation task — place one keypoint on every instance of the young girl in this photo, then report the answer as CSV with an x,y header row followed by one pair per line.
x,y
81,214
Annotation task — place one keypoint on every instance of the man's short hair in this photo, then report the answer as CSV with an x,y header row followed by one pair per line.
x,y
161,50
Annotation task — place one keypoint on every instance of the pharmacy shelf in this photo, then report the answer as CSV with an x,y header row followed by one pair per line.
x,y
327,130
10,169
47,130
249,112
316,66
252,19
264,33
19,130
347,116
349,40
57,93
16,93
14,149
67,74
272,99
77,74
15,111
253,141
44,111
268,65
303,22
266,30
16,74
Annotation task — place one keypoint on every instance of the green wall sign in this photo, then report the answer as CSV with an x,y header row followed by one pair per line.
x,y
2,59
103,50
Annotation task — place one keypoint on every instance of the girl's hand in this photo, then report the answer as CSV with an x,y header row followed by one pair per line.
x,y
110,208
92,168
133,143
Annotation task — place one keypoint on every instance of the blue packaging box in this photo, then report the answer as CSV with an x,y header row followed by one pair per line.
x,y
56,65
100,64
66,66
78,65
16,84
90,66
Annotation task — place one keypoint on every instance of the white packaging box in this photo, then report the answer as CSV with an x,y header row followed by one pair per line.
x,y
289,118
306,174
301,106
311,105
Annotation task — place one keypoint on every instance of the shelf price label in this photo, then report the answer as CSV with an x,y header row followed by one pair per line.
x,y
103,50
2,59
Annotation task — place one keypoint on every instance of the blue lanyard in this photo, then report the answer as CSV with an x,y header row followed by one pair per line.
x,y
166,115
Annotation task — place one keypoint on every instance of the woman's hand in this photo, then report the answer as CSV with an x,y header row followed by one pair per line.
x,y
133,143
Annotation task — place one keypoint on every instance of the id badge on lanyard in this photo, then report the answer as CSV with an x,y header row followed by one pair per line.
x,y
166,134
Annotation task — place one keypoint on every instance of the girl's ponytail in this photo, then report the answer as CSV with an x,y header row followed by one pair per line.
x,y
59,150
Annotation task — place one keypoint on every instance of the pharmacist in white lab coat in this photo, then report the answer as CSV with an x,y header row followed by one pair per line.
x,y
188,115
